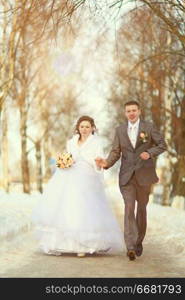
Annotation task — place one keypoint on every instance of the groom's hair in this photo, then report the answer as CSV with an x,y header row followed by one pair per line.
x,y
132,102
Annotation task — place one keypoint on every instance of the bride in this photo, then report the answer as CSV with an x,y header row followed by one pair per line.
x,y
73,215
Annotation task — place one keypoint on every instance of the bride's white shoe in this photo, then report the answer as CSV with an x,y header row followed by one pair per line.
x,y
80,254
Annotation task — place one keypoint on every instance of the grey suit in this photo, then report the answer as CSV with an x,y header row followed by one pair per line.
x,y
136,175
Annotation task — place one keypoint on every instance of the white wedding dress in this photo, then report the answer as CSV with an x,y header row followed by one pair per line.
x,y
73,215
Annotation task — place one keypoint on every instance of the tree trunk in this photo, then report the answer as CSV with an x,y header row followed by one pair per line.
x,y
47,156
179,167
179,175
5,169
24,154
167,175
8,54
38,167
168,98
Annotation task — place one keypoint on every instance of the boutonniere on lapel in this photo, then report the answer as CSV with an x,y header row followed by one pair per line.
x,y
143,136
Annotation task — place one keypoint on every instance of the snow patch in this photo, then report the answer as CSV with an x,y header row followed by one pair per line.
x,y
166,223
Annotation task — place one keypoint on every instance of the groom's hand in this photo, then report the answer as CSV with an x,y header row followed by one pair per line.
x,y
100,162
104,163
144,155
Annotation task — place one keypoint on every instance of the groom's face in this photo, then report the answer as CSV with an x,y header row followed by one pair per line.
x,y
132,113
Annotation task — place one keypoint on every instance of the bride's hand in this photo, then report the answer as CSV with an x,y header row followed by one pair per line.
x,y
101,162
98,161
104,163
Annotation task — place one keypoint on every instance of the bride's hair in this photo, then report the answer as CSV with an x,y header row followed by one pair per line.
x,y
85,118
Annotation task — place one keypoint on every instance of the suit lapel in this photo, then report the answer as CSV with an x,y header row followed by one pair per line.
x,y
141,128
125,133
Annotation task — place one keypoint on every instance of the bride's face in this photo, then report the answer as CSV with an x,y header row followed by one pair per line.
x,y
85,129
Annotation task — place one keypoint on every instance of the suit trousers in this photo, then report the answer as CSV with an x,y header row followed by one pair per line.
x,y
135,218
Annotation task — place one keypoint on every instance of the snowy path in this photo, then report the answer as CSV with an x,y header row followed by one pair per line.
x,y
163,257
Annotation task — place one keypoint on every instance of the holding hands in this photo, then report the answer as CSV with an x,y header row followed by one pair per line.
x,y
101,162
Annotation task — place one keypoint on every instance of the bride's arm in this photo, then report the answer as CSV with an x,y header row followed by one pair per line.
x,y
94,150
68,146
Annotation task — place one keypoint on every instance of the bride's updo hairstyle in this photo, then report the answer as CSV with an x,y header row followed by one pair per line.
x,y
85,118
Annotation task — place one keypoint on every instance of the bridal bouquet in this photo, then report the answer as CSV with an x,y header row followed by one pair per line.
x,y
65,160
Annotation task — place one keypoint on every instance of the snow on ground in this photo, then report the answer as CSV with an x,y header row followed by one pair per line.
x,y
15,217
16,209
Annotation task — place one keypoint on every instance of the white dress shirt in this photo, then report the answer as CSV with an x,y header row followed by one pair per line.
x,y
133,131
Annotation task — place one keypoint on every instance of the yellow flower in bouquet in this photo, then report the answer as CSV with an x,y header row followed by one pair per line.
x,y
65,160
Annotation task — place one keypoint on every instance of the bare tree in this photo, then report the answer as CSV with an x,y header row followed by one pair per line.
x,y
154,76
27,25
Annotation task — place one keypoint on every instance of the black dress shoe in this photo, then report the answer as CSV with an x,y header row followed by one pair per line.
x,y
131,254
139,249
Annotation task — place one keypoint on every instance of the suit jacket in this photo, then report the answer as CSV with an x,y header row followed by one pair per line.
x,y
153,143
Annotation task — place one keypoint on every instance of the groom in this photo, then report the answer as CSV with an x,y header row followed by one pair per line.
x,y
138,142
